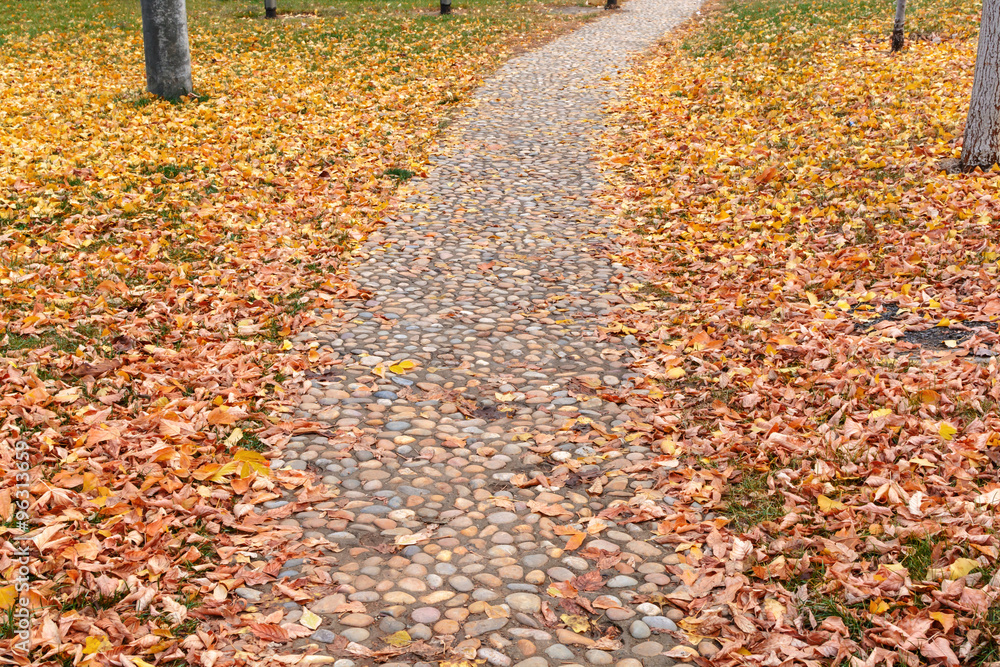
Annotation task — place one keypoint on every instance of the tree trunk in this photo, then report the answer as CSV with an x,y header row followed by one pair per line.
x,y
611,4
446,6
270,9
981,146
165,41
897,25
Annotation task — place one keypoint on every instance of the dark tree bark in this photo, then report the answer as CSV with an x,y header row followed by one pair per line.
x,y
445,7
981,146
897,25
611,4
270,9
165,42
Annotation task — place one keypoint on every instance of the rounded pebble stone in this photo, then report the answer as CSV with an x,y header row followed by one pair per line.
x,y
559,652
639,630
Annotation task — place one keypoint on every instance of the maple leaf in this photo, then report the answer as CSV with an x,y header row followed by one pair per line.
x,y
590,581
271,632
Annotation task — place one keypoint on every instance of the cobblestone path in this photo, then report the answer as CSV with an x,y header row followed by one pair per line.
x,y
488,283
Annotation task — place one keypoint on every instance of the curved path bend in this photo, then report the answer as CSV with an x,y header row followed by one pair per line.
x,y
488,280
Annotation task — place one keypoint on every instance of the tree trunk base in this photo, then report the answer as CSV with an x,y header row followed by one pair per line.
x,y
897,42
950,165
270,13
953,165
611,4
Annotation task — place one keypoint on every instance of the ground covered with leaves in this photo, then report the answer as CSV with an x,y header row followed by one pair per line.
x,y
155,258
820,319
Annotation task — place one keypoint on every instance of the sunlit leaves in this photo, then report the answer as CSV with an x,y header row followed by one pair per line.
x,y
779,181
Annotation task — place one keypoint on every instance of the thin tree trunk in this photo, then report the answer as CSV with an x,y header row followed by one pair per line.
x,y
165,42
981,146
897,25
446,6
611,4
270,9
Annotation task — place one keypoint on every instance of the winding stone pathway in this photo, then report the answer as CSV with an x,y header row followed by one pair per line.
x,y
488,283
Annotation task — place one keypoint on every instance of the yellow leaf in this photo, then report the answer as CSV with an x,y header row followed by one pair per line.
x,y
95,644
252,461
287,345
951,343
962,567
90,481
929,396
7,596
220,472
878,606
675,373
947,431
812,298
945,322
830,505
234,437
505,398
401,638
775,608
878,414
310,620
618,327
402,366
576,623
946,620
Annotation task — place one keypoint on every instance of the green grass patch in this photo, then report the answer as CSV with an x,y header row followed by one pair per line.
x,y
396,20
13,342
657,292
988,650
855,617
399,174
170,171
918,556
795,24
750,502
94,600
250,440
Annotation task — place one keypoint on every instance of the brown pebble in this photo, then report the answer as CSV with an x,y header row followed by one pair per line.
x,y
569,637
458,614
357,620
446,626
